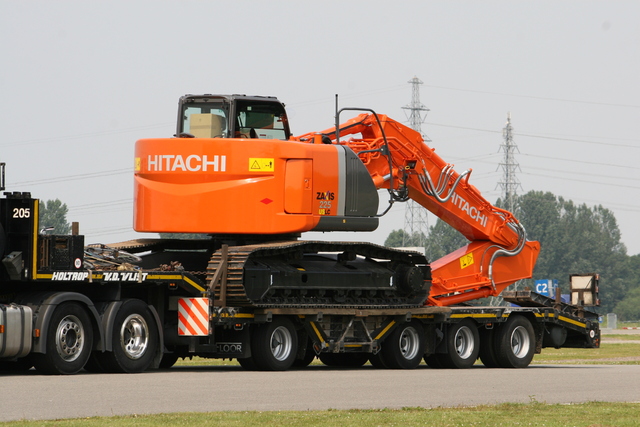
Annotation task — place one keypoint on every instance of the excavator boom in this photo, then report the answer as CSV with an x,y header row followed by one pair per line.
x,y
398,159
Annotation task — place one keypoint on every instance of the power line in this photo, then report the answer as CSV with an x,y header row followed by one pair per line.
x,y
581,180
72,177
84,135
608,144
482,159
530,135
100,204
401,87
626,178
606,104
580,161
387,89
107,231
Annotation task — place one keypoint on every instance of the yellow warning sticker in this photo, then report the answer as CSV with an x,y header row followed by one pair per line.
x,y
137,165
466,260
261,165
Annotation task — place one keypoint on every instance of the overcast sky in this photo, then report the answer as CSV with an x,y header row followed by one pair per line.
x,y
81,81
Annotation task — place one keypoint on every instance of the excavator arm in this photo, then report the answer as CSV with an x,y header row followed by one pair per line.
x,y
397,159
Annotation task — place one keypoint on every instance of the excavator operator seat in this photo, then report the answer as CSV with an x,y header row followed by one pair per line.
x,y
207,125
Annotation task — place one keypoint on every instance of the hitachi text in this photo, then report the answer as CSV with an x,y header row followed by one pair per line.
x,y
192,163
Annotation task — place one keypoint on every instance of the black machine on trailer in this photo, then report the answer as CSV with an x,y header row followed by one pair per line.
x,y
128,307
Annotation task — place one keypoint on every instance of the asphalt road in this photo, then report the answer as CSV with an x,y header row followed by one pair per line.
x,y
221,388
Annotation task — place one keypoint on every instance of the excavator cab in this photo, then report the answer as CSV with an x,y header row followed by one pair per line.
x,y
232,116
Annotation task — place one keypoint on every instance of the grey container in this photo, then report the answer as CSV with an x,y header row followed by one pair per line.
x,y
16,324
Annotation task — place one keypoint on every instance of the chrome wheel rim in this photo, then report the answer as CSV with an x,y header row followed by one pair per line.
x,y
281,343
520,342
134,336
69,338
409,343
464,342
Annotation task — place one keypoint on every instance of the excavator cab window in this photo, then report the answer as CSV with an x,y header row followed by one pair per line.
x,y
265,120
206,120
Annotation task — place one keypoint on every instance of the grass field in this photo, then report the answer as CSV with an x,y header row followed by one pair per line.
x,y
622,351
532,414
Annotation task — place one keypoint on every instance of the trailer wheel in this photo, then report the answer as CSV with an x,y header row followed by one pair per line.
x,y
462,345
274,345
404,347
344,360
69,341
134,339
515,343
487,348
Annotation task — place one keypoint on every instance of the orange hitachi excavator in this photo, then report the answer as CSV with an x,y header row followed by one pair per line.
x,y
235,172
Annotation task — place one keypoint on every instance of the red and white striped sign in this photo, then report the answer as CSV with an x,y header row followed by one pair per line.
x,y
193,316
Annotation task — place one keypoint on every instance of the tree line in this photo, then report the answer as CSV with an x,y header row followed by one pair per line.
x,y
574,239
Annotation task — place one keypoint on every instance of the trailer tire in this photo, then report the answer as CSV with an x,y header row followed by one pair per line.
x,y
515,343
134,339
404,347
69,341
462,345
274,345
344,360
487,348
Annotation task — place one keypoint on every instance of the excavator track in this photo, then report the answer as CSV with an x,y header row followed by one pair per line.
x,y
319,274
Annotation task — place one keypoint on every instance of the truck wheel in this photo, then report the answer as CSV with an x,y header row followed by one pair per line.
x,y
487,348
462,345
404,347
134,339
274,345
69,341
344,360
515,343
